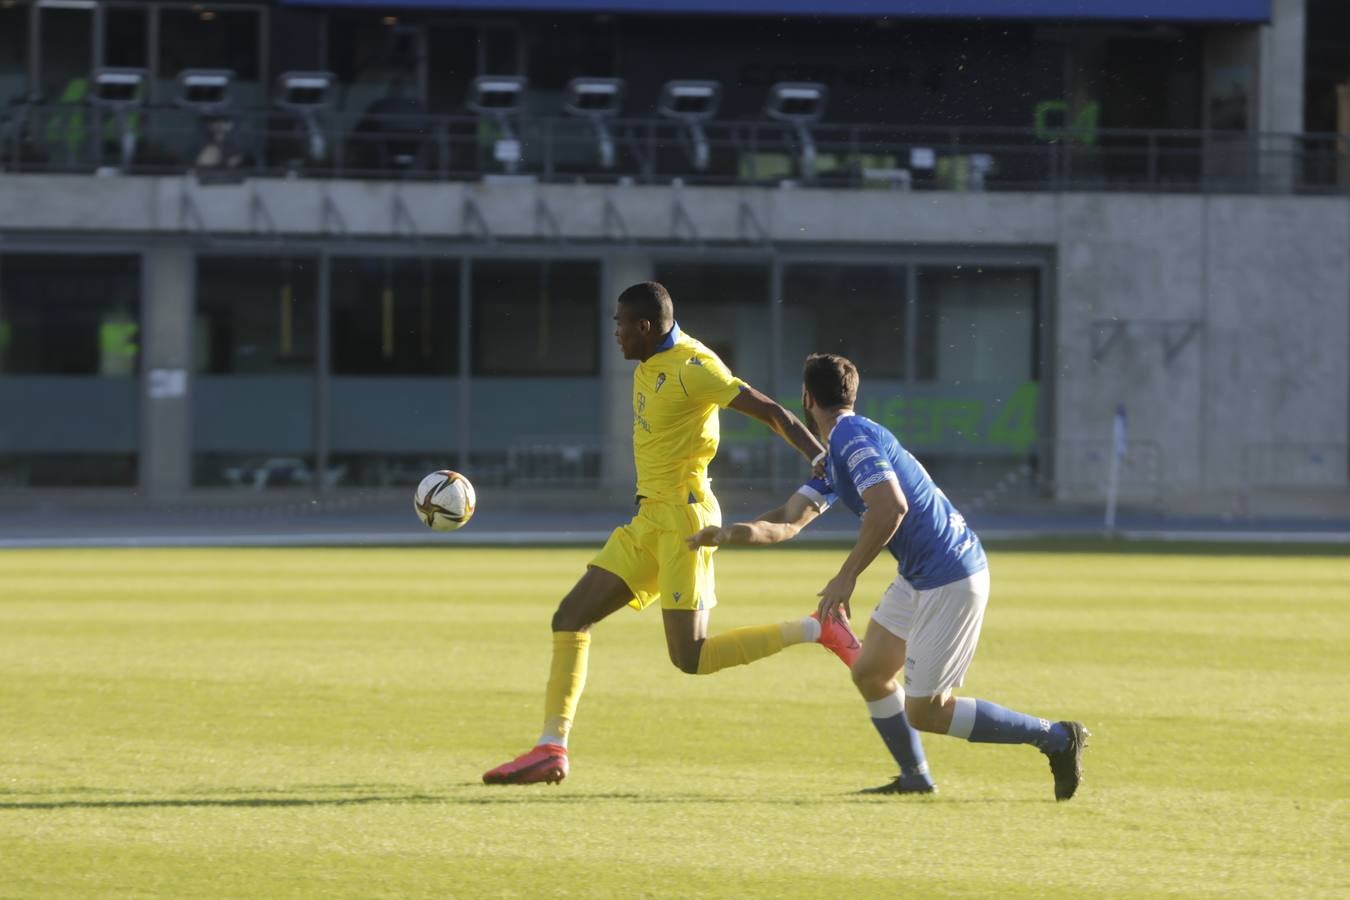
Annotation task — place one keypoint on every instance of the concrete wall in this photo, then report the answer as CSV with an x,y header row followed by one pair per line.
x,y
265,208
1222,323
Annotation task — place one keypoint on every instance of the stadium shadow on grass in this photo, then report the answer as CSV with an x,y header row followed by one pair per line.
x,y
170,802
302,795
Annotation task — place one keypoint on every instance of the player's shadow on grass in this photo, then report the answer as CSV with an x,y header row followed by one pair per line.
x,y
510,795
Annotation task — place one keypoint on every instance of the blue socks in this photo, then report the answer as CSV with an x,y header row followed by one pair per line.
x,y
888,717
980,721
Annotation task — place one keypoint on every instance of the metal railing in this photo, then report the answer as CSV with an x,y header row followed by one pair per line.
x,y
170,140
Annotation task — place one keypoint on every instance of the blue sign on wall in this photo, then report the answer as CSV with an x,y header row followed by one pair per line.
x,y
1118,10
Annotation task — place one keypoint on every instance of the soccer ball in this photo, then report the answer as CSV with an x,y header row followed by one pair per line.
x,y
444,500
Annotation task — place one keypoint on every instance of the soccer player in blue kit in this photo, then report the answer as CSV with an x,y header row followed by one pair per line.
x,y
928,621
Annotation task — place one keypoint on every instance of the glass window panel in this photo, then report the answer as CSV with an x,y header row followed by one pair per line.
x,y
974,413
854,310
536,400
295,40
395,316
125,41
67,44
535,431
69,315
500,48
394,396
13,54
69,353
726,307
206,37
256,315
562,51
62,132
536,318
254,349
455,49
977,324
378,61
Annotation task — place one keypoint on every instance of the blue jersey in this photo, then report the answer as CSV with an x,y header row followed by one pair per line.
x,y
933,545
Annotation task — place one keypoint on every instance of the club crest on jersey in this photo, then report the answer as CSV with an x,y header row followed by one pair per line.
x,y
660,380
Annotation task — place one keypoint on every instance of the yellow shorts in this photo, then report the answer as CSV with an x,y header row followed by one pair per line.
x,y
650,555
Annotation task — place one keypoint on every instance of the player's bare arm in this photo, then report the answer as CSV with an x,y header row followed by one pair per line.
x,y
764,408
886,508
773,527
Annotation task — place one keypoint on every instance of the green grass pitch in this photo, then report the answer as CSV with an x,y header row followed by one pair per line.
x,y
315,722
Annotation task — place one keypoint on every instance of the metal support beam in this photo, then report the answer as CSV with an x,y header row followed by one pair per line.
x,y
545,223
1106,333
189,216
259,214
323,366
472,220
614,226
1176,336
751,228
402,223
464,396
682,225
331,220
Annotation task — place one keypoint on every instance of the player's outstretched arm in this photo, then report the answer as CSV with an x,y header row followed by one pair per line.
x,y
772,527
886,508
760,406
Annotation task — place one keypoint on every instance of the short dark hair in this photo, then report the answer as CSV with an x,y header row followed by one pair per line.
x,y
651,301
831,380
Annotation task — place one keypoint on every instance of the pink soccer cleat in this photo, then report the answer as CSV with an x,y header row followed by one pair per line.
x,y
838,638
545,763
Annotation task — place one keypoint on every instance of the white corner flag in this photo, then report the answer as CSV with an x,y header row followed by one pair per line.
x,y
1113,468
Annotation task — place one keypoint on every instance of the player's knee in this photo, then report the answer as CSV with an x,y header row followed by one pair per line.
x,y
685,661
868,678
565,618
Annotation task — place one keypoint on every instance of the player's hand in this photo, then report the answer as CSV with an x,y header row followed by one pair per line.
x,y
712,536
835,597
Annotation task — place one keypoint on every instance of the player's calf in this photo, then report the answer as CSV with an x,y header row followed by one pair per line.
x,y
931,714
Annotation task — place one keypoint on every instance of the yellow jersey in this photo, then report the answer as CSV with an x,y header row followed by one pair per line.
x,y
676,395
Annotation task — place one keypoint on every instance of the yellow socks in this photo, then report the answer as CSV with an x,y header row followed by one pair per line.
x,y
566,679
740,646
567,674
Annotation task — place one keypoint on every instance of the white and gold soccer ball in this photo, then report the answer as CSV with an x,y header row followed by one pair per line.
x,y
444,500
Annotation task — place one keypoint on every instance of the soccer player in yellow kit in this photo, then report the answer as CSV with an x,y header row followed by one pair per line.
x,y
678,386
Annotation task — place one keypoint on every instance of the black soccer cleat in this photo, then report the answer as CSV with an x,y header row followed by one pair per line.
x,y
1067,764
904,784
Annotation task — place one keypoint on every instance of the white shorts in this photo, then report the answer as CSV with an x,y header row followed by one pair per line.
x,y
940,629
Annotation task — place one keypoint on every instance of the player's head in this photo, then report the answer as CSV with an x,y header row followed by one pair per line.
x,y
642,317
829,383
